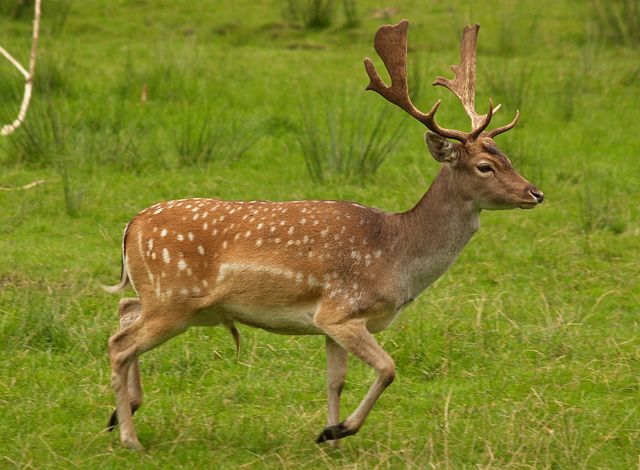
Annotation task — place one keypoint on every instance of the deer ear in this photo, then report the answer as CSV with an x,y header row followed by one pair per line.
x,y
440,148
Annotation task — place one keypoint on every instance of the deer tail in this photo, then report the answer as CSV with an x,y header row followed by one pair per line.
x,y
124,275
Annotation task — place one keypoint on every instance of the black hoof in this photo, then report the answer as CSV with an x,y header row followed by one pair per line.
x,y
335,432
113,421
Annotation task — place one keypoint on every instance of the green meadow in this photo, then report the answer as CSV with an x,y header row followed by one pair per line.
x,y
525,354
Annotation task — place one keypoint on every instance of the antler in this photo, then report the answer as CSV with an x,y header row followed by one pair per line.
x,y
505,128
390,43
464,83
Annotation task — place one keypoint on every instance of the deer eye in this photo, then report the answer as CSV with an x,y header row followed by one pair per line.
x,y
484,168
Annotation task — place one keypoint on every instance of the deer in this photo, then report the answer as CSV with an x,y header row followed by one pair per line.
x,y
333,268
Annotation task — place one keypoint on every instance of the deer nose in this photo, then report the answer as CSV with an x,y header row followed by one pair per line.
x,y
535,192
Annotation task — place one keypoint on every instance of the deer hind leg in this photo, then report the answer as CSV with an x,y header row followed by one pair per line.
x,y
353,336
336,371
148,332
129,310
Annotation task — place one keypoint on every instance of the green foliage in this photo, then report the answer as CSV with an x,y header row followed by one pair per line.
x,y
42,325
524,355
16,8
200,138
599,204
347,137
55,13
617,21
351,14
311,13
43,137
319,14
509,83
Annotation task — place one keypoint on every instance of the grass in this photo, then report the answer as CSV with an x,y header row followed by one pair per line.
x,y
347,138
310,13
524,355
617,21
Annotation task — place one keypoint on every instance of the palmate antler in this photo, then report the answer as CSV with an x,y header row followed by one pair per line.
x,y
390,43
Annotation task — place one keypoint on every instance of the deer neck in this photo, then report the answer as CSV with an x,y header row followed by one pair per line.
x,y
434,232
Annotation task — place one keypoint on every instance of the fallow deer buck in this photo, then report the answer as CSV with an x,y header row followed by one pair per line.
x,y
329,268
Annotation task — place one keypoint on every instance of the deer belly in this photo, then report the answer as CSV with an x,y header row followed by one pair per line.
x,y
291,320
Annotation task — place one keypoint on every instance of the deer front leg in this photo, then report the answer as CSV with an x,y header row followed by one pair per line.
x,y
336,371
353,336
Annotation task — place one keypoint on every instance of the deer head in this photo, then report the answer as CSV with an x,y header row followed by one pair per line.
x,y
483,173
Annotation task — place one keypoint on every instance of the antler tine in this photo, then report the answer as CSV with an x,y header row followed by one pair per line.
x,y
463,84
500,130
390,43
429,120
486,119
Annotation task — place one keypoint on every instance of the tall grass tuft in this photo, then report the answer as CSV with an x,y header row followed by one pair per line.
x,y
35,320
350,137
51,75
514,29
117,131
572,83
71,190
617,21
56,13
16,9
351,17
509,83
199,138
310,13
599,209
41,138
